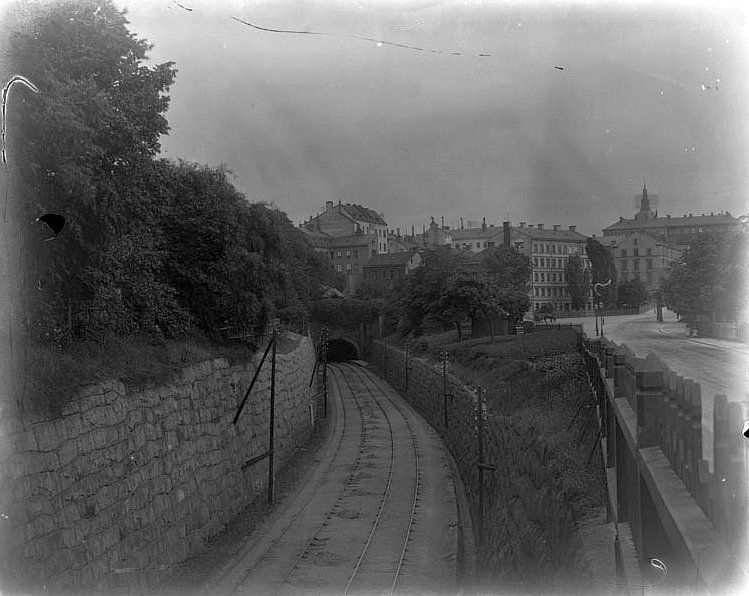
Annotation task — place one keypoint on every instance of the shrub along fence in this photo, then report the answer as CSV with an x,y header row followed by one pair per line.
x,y
522,510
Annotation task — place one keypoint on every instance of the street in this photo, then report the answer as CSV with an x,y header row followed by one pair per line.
x,y
719,366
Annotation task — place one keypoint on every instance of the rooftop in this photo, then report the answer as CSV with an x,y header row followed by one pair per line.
x,y
550,234
395,258
361,213
668,221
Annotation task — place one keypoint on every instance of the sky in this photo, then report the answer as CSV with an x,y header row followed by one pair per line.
x,y
551,113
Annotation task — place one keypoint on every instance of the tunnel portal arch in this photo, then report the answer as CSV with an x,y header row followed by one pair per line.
x,y
341,349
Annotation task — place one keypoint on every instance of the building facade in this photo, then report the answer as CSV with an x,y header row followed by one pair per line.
x,y
389,271
674,231
477,239
548,250
344,220
349,254
642,256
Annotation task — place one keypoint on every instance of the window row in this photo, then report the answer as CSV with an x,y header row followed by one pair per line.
x,y
566,249
549,277
636,252
553,291
636,264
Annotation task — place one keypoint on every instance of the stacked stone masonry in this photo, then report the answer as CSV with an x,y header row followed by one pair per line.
x,y
125,484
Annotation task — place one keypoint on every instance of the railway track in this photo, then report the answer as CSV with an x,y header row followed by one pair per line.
x,y
351,529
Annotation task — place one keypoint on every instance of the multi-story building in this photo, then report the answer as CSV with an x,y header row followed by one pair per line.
x,y
350,253
388,271
342,220
642,256
673,230
548,250
477,239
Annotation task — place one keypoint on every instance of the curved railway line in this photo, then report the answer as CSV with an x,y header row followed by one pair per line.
x,y
354,527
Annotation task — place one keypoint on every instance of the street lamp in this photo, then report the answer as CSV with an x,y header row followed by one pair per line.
x,y
599,303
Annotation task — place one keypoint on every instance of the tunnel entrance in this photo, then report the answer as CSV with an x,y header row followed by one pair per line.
x,y
340,350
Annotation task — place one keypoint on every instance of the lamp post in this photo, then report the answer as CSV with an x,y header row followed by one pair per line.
x,y
599,303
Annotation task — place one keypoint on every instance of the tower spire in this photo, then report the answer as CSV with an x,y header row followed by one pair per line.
x,y
645,203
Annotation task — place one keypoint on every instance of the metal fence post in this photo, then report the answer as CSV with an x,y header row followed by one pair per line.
x,y
445,393
481,418
406,344
324,357
272,416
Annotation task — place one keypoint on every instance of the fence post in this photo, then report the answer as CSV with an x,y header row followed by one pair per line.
x,y
406,345
445,393
272,416
480,438
324,357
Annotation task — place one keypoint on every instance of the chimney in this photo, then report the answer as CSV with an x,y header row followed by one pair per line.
x,y
522,225
621,219
540,226
668,216
328,205
413,234
506,233
442,219
573,228
556,227
461,223
483,224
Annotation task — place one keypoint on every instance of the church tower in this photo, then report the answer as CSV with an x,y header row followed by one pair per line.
x,y
645,212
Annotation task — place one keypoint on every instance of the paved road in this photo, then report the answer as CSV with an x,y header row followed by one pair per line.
x,y
719,366
378,515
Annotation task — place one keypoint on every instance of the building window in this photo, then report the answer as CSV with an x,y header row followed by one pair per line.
x,y
650,276
543,277
634,241
635,265
649,252
624,265
348,266
491,244
535,277
356,254
635,252
535,261
535,248
348,254
338,268
536,292
648,263
636,275
624,252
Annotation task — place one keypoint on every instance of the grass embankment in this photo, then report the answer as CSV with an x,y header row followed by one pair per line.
x,y
544,486
54,376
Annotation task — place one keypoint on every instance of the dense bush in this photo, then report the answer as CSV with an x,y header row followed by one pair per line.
x,y
149,246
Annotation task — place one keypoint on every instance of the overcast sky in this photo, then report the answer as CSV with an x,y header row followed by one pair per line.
x,y
302,118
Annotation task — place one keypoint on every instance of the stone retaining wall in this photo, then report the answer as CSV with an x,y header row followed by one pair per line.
x,y
124,483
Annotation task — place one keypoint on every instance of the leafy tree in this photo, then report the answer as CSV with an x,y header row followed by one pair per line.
x,y
632,293
604,269
507,267
84,140
578,281
467,295
508,271
709,278
546,312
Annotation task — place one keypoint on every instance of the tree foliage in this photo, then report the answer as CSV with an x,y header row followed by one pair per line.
x,y
509,273
709,278
149,246
632,294
578,281
603,270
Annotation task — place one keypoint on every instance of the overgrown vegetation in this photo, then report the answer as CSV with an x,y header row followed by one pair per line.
x,y
710,278
152,250
544,485
444,292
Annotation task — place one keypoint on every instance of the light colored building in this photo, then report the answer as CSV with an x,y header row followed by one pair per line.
x,y
477,239
673,230
548,249
642,256
341,220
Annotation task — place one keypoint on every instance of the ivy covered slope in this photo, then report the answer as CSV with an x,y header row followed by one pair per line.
x,y
150,246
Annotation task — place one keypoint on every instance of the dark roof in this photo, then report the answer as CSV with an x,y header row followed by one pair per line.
x,y
316,233
393,258
467,233
360,213
667,222
551,234
613,241
354,240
